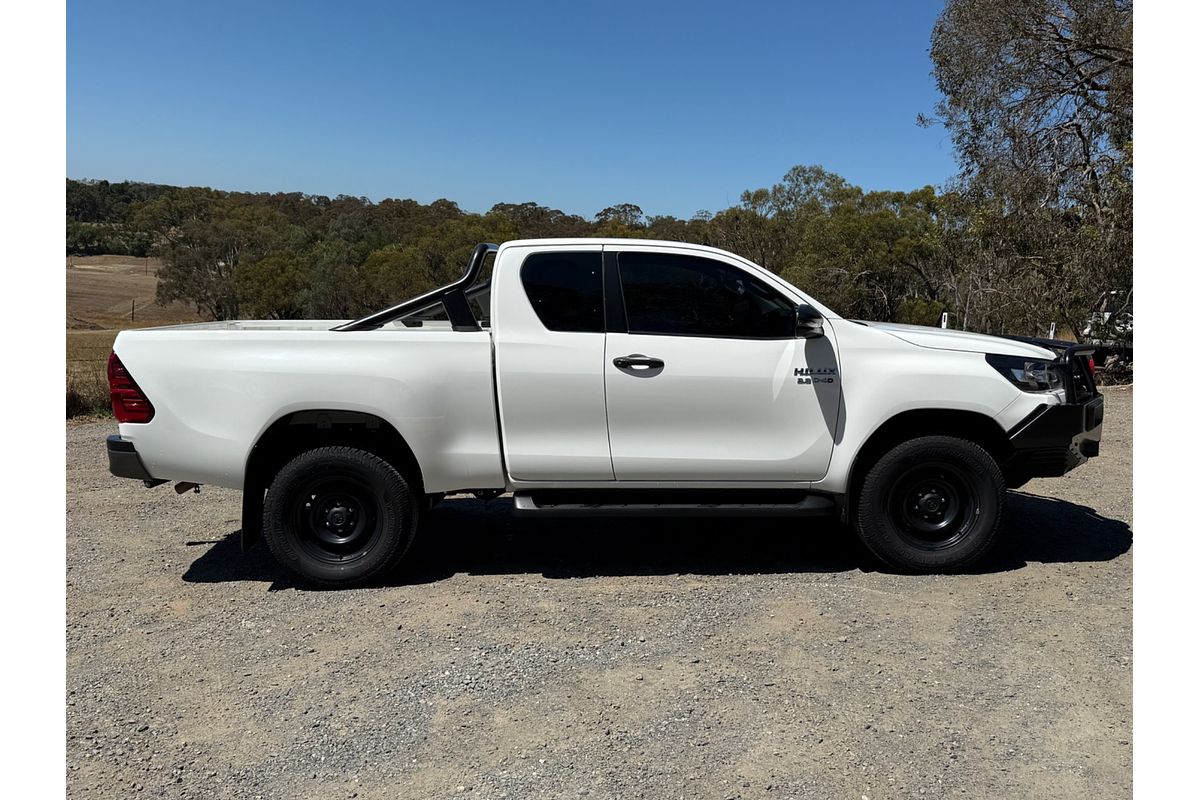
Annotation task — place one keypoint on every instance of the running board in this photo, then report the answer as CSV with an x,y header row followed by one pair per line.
x,y
673,503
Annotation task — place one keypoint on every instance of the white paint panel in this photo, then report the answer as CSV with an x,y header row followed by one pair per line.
x,y
883,376
550,383
720,409
215,391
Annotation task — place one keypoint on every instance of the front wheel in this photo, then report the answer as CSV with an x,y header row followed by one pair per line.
x,y
338,516
931,504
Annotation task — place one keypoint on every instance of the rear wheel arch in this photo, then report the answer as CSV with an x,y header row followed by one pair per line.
x,y
300,431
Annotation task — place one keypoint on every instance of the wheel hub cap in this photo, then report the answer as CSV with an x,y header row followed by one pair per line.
x,y
340,518
931,503
337,518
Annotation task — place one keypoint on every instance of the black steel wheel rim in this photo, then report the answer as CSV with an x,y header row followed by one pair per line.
x,y
336,518
933,506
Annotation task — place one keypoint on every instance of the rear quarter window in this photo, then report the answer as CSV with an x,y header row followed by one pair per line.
x,y
566,290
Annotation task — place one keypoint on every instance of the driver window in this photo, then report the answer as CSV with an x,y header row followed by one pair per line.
x,y
694,296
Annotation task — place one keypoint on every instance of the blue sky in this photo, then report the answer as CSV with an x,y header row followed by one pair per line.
x,y
675,106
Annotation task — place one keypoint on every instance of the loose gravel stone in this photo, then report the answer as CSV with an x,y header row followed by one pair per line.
x,y
602,658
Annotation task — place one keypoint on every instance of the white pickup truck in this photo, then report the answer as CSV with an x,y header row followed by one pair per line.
x,y
600,376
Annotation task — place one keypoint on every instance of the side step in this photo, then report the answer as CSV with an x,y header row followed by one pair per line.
x,y
673,503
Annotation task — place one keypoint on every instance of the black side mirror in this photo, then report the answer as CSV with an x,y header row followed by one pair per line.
x,y
809,323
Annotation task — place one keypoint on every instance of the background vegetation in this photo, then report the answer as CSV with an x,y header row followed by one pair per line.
x,y
87,376
1032,231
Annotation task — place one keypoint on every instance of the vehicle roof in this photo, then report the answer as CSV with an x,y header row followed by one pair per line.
x,y
622,241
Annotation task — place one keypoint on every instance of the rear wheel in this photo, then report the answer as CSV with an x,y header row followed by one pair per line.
x,y
338,516
931,504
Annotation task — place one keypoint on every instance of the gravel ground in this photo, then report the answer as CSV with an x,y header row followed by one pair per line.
x,y
624,659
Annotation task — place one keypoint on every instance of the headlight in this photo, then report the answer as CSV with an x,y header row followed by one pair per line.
x,y
1029,374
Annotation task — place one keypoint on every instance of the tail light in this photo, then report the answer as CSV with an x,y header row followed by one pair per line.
x,y
129,404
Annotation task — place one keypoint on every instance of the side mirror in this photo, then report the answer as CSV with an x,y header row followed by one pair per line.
x,y
809,324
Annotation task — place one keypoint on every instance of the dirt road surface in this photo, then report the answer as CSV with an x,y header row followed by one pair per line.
x,y
606,659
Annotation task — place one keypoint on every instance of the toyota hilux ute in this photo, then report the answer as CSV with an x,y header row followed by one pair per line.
x,y
600,377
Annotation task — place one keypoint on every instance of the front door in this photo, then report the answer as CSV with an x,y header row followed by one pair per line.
x,y
710,383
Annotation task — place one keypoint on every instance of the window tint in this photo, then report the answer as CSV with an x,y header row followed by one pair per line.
x,y
693,296
565,290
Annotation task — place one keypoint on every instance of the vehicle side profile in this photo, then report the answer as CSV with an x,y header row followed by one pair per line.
x,y
601,377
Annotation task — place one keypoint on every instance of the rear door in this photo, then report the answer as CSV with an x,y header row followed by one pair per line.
x,y
548,318
705,378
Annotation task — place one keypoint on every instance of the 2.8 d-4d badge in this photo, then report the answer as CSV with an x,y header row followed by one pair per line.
x,y
815,374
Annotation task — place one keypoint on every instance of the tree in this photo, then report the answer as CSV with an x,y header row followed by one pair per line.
x,y
533,221
204,242
750,233
873,256
803,189
623,214
335,286
1038,100
397,272
273,287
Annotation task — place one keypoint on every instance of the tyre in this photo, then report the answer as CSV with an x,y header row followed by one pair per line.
x,y
931,504
338,516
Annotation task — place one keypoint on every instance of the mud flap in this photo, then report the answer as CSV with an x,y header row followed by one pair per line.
x,y
252,516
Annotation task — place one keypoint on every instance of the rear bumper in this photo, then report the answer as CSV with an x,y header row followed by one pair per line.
x,y
1053,440
124,461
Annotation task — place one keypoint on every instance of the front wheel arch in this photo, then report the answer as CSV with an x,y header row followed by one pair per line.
x,y
969,425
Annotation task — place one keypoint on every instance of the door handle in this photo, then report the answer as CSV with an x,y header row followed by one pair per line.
x,y
637,361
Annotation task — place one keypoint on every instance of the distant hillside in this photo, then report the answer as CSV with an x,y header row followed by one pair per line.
x,y
102,289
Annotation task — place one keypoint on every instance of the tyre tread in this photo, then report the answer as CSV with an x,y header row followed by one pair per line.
x,y
395,544
875,529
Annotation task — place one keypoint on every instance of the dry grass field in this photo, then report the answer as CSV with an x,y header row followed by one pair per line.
x,y
107,294
104,291
87,382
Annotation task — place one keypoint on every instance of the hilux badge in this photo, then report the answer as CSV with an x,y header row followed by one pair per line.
x,y
815,374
